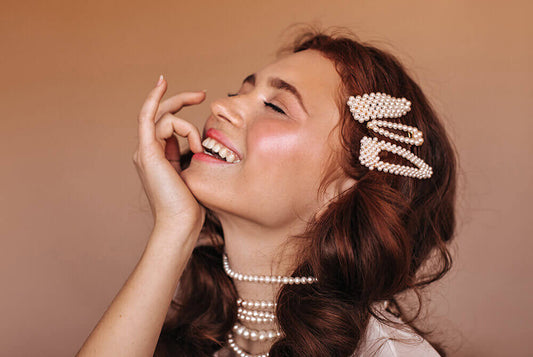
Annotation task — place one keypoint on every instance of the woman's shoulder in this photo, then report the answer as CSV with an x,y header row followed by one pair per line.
x,y
382,339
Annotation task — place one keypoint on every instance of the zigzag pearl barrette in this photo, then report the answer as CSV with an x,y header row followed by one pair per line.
x,y
376,106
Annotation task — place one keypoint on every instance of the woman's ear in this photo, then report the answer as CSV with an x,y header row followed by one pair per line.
x,y
345,184
334,190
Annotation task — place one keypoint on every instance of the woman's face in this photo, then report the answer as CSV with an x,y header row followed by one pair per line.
x,y
278,123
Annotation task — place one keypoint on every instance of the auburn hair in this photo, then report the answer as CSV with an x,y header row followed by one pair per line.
x,y
367,246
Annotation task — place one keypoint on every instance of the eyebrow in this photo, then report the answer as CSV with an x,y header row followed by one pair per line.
x,y
279,83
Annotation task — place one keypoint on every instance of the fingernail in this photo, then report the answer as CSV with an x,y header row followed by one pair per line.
x,y
159,81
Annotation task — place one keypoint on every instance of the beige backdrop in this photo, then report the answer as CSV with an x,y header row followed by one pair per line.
x,y
74,219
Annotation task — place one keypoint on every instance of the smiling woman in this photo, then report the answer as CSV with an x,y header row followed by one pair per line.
x,y
274,148
275,237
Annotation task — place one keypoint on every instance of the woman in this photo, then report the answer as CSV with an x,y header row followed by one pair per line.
x,y
280,231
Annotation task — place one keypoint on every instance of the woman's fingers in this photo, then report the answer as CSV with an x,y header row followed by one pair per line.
x,y
172,152
175,103
147,113
165,128
171,201
153,111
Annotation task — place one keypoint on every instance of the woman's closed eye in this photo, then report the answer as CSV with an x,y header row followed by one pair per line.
x,y
275,107
267,104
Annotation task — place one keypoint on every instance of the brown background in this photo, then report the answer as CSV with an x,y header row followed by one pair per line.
x,y
74,219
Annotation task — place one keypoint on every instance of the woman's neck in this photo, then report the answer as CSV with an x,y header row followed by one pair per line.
x,y
255,250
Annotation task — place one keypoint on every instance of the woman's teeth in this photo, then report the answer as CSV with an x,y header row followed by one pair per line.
x,y
215,147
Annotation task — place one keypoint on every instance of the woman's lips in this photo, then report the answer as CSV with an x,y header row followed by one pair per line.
x,y
208,158
218,136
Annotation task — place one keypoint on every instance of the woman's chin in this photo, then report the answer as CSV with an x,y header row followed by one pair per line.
x,y
202,188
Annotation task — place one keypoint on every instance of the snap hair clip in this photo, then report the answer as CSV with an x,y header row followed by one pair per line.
x,y
373,107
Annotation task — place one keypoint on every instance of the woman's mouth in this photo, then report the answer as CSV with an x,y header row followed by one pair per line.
x,y
217,150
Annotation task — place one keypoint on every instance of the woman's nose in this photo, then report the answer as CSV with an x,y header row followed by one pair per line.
x,y
226,109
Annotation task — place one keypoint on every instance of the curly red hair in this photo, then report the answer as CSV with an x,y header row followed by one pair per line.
x,y
367,246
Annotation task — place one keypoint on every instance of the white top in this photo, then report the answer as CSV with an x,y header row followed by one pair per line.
x,y
382,340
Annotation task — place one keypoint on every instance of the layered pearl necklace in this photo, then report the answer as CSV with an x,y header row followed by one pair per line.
x,y
257,311
265,278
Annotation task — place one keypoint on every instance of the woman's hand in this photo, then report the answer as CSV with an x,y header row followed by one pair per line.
x,y
157,159
132,323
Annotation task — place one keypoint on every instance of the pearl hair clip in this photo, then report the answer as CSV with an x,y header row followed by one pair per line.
x,y
374,106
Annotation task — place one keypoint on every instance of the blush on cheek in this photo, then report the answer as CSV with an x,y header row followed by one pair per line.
x,y
279,148
275,143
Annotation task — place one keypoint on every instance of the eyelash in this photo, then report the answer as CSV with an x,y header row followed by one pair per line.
x,y
272,106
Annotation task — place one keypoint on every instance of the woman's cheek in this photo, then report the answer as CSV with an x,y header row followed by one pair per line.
x,y
275,143
278,148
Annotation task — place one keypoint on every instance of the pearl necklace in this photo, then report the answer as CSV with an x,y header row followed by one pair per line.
x,y
255,335
256,304
239,350
255,316
257,311
265,278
